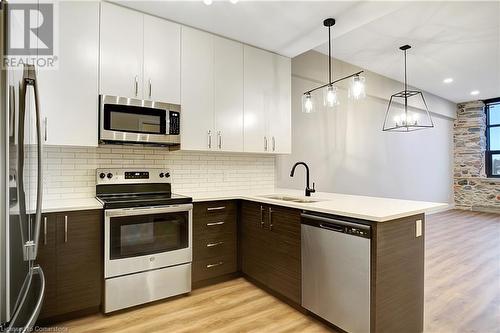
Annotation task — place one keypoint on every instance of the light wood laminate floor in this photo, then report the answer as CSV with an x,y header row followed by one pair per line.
x,y
462,292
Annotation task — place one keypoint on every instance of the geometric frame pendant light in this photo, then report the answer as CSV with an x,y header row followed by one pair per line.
x,y
397,120
330,95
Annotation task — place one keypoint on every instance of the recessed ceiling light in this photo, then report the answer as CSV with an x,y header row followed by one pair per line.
x,y
207,2
233,1
474,92
448,80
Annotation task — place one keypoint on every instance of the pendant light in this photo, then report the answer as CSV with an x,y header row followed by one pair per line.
x,y
405,120
330,92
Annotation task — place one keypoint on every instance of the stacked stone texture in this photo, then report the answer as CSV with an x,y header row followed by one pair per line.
x,y
471,187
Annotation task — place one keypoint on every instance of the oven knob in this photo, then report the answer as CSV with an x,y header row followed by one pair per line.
x,y
102,175
161,175
167,174
110,175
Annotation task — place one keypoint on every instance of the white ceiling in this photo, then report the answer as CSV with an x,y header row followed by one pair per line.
x,y
450,39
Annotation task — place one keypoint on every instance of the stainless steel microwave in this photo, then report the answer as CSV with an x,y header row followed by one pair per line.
x,y
128,120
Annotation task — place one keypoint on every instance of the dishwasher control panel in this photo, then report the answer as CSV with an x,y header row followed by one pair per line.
x,y
357,231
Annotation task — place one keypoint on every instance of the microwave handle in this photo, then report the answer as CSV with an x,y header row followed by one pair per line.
x,y
167,122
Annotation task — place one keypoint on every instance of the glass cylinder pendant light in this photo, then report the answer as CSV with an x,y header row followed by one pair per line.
x,y
357,88
330,92
307,103
399,117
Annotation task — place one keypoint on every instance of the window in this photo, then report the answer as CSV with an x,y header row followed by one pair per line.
x,y
493,137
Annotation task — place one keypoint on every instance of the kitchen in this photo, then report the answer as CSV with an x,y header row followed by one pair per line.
x,y
166,180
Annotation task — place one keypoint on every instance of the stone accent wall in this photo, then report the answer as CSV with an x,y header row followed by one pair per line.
x,y
471,187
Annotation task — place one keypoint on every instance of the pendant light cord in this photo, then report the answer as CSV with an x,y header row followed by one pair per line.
x,y
406,93
406,85
329,56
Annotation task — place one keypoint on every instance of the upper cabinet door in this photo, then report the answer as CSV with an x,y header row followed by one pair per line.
x,y
259,98
162,60
121,51
228,80
69,94
280,126
197,91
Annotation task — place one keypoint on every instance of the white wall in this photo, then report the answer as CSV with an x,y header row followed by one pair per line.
x,y
348,152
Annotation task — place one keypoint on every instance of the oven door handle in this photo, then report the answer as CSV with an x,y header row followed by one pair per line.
x,y
147,211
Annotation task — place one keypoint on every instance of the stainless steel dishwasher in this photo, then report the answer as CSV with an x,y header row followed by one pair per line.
x,y
336,271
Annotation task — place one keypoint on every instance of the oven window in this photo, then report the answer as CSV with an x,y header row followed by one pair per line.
x,y
132,236
128,118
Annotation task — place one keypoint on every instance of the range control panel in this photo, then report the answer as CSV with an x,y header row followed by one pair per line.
x,y
136,174
132,176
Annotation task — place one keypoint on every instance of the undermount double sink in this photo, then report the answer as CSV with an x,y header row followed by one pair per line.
x,y
289,198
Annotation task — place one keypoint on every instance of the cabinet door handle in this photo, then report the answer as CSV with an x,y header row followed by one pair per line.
x,y
214,244
45,128
65,228
45,230
136,85
216,264
274,144
219,137
270,218
262,216
150,88
265,143
209,139
215,223
211,209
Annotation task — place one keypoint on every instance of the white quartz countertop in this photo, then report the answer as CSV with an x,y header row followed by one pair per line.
x,y
64,205
361,207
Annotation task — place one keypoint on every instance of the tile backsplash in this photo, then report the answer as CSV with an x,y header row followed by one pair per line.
x,y
69,172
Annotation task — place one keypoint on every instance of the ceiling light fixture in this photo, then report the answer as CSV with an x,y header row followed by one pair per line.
x,y
474,92
406,121
330,95
207,2
448,80
233,1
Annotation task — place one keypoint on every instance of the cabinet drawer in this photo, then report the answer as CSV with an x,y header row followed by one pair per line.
x,y
214,218
210,268
213,247
214,210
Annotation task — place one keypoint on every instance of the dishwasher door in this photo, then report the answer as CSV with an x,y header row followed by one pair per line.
x,y
336,271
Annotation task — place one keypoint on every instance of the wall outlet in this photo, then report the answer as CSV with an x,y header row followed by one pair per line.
x,y
418,228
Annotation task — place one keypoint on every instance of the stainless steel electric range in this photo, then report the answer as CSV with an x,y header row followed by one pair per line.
x,y
147,237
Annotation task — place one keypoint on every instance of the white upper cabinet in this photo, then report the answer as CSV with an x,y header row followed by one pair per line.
x,y
162,60
267,110
228,78
259,98
280,122
121,51
68,94
197,90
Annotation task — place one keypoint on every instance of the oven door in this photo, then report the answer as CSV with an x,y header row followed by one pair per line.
x,y
142,239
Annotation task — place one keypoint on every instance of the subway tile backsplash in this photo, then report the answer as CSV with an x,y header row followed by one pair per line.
x,y
69,172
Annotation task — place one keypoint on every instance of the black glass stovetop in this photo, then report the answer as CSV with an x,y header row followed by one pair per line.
x,y
131,200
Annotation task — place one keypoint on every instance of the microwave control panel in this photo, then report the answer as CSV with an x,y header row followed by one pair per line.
x,y
175,123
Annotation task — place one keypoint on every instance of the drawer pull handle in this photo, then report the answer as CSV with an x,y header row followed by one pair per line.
x,y
65,229
214,244
211,209
215,223
216,264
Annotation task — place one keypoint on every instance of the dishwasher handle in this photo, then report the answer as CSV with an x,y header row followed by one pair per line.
x,y
337,225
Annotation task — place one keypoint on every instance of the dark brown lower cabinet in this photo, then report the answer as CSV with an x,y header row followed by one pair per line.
x,y
214,241
270,247
70,254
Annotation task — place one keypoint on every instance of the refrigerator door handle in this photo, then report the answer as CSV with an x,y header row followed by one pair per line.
x,y
29,78
28,326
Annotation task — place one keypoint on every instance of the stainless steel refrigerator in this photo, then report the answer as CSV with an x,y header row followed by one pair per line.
x,y
22,282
